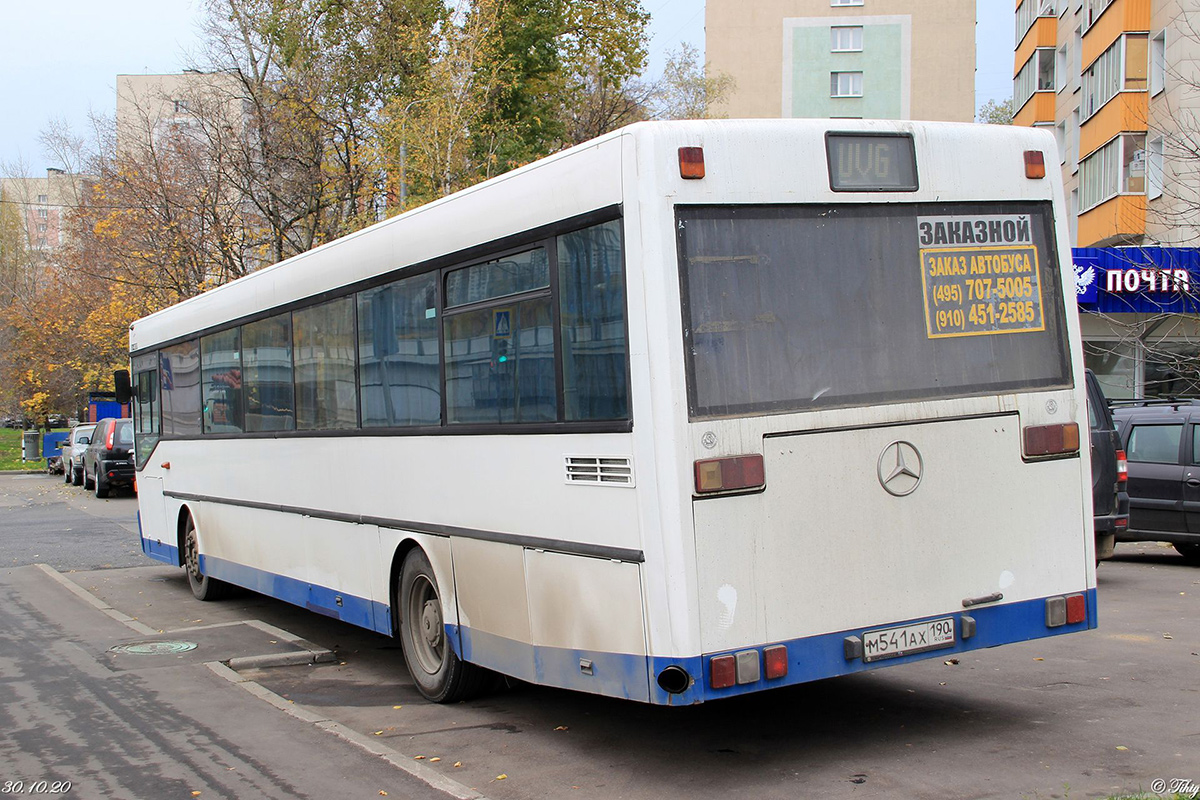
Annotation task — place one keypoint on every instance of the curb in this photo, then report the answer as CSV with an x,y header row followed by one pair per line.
x,y
96,602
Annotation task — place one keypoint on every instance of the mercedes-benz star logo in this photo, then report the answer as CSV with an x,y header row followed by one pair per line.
x,y
900,468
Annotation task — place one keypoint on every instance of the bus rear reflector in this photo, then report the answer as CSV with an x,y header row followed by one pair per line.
x,y
725,474
1076,609
776,661
1035,164
691,163
722,672
1050,440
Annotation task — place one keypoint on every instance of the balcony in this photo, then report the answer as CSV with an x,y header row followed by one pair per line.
x,y
1118,18
1115,221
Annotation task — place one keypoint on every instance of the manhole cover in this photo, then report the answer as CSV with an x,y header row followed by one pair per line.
x,y
153,648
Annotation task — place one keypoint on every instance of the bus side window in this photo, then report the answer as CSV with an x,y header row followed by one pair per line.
x,y
591,288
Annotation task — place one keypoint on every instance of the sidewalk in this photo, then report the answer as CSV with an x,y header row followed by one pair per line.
x,y
163,721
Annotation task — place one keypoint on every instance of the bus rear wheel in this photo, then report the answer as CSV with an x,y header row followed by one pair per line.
x,y
203,587
439,674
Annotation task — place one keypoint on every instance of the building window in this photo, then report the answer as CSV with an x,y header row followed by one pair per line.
x,y
43,213
43,199
41,228
1060,139
1136,62
1037,75
1158,63
845,84
1115,366
1117,167
845,2
1154,168
181,106
1098,176
1133,163
1060,68
846,38
1123,66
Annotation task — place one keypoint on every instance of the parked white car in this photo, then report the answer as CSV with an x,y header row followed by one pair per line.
x,y
77,442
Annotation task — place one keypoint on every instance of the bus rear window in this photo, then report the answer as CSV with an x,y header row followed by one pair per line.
x,y
790,308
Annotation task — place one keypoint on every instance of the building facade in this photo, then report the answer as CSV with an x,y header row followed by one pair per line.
x,y
887,59
42,205
151,107
1115,82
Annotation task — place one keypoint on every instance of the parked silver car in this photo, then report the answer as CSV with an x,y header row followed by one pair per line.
x,y
77,442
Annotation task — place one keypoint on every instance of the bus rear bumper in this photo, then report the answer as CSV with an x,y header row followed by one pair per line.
x,y
833,654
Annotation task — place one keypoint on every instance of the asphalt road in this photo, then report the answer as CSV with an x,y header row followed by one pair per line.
x,y
1086,715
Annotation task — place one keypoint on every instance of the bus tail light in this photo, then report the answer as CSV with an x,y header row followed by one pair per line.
x,y
1035,164
776,661
691,163
110,435
1052,440
725,474
1122,467
1069,610
722,672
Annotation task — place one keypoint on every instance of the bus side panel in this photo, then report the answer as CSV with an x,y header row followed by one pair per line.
x,y
287,556
159,538
587,626
493,609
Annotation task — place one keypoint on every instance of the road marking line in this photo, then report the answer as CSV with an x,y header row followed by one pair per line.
x,y
422,772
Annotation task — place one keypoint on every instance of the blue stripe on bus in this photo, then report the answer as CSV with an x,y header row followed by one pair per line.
x,y
823,656
160,551
635,676
612,674
360,611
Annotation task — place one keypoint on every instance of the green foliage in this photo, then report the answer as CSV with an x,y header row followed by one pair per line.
x,y
686,89
996,112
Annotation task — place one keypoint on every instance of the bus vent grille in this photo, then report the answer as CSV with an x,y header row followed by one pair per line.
x,y
600,470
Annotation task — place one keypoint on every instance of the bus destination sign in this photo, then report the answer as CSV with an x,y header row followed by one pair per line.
x,y
980,274
872,162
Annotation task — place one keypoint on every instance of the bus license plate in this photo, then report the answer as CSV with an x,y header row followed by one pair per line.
x,y
905,640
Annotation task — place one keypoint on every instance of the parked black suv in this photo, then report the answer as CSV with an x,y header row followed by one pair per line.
x,y
108,460
1162,440
1110,500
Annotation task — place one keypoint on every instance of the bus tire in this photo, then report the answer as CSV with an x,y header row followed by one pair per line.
x,y
439,674
203,587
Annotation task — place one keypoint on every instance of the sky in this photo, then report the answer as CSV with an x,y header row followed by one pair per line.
x,y
59,59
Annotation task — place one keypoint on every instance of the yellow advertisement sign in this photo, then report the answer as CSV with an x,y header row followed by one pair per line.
x,y
983,288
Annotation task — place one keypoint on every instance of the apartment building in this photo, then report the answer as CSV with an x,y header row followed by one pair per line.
x,y
884,59
151,107
1116,83
42,205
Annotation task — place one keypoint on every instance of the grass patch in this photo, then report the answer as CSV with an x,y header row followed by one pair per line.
x,y
10,452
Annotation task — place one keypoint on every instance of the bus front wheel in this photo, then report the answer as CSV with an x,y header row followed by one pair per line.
x,y
203,587
439,674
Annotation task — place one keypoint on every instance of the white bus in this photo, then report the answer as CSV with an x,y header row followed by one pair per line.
x,y
692,410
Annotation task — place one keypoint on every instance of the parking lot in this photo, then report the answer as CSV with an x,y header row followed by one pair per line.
x,y
1088,715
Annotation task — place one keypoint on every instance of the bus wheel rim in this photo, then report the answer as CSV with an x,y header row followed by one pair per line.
x,y
427,633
